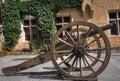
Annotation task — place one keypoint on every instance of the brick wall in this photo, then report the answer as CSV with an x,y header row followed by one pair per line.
x,y
99,16
99,9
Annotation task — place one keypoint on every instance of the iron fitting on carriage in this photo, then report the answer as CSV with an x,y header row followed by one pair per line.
x,y
79,51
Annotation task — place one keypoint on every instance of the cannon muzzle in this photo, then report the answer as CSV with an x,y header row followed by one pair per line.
x,y
104,28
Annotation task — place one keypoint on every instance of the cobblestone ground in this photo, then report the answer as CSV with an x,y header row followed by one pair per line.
x,y
44,72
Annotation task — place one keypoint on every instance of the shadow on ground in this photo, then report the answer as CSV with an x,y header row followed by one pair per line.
x,y
51,75
42,75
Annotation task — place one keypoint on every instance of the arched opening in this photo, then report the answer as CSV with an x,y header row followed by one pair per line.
x,y
88,11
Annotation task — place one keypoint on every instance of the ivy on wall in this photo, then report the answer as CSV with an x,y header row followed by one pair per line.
x,y
43,10
11,24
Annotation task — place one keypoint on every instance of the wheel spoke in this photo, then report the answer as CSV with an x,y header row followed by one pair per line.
x,y
65,51
62,53
60,47
95,58
84,62
71,67
71,37
78,35
90,58
92,41
92,45
80,65
83,42
88,39
76,62
97,49
71,57
89,64
65,59
65,42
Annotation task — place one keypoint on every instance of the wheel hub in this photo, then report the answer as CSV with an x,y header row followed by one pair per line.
x,y
79,51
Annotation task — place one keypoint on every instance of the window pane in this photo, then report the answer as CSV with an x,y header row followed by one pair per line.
x,y
33,22
58,19
34,37
26,30
34,29
27,37
27,33
119,14
58,27
66,19
26,22
114,30
112,15
34,33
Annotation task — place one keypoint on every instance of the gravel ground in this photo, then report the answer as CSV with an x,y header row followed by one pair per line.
x,y
111,73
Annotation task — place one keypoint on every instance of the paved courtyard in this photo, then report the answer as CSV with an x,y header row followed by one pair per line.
x,y
43,72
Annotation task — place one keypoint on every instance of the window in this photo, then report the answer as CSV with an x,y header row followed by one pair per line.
x,y
30,28
61,21
114,16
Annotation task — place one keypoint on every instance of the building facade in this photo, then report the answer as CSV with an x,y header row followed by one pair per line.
x,y
99,12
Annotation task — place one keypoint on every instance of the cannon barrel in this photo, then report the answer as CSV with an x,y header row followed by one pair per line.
x,y
104,28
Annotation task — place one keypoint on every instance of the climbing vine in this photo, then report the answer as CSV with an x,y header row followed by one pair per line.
x,y
43,10
11,24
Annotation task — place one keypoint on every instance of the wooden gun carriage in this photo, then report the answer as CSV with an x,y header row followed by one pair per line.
x,y
82,51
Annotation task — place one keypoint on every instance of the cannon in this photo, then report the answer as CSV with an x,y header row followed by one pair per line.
x,y
82,52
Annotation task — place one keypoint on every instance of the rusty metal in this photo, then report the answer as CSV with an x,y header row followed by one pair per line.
x,y
77,54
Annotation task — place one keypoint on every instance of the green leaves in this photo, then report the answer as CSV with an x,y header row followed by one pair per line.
x,y
43,10
11,24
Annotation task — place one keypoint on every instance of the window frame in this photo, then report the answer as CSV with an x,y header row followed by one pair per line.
x,y
117,20
29,18
63,22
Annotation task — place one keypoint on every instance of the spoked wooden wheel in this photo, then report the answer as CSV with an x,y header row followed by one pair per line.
x,y
80,48
98,44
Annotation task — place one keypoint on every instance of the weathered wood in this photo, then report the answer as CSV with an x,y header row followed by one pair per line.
x,y
77,51
40,59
